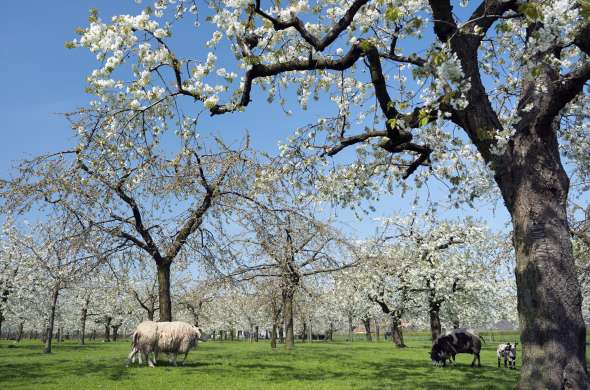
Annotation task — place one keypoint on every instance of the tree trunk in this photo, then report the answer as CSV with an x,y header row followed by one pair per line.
x,y
435,325
535,189
256,334
304,331
331,337
288,318
115,331
19,335
310,332
397,335
273,337
83,324
281,334
377,330
51,322
59,334
164,291
107,329
150,315
350,328
367,324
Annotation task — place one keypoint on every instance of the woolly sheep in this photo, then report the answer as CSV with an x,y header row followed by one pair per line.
x,y
169,337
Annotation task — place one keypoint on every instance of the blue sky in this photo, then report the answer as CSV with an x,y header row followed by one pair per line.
x,y
41,79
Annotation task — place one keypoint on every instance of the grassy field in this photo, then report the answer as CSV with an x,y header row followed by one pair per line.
x,y
242,365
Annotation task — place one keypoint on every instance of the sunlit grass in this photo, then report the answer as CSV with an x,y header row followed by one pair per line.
x,y
243,365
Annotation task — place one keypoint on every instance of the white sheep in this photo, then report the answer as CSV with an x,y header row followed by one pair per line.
x,y
169,337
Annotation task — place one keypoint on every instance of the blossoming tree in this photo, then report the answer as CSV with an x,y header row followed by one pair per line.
x,y
509,74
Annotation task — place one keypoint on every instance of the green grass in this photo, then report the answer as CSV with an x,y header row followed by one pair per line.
x,y
242,365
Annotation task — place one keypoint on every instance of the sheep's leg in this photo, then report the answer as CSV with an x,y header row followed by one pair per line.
x,y
151,362
174,359
131,356
185,355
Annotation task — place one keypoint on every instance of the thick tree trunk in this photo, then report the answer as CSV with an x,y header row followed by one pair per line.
x,y
256,334
553,333
397,335
288,294
367,325
150,315
83,317
164,291
51,321
281,334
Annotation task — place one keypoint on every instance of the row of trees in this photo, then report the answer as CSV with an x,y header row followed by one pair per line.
x,y
390,283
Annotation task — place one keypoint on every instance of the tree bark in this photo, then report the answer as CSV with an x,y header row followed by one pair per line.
x,y
281,334
397,335
288,294
256,335
553,333
164,291
51,322
350,328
